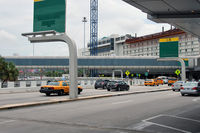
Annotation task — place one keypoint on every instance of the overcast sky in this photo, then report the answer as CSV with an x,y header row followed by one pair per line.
x,y
115,17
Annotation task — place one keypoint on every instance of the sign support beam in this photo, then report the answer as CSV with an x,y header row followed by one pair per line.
x,y
183,71
52,36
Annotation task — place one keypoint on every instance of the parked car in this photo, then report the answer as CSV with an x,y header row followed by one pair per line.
x,y
59,87
151,82
171,80
100,83
160,81
190,88
177,85
109,84
164,78
118,86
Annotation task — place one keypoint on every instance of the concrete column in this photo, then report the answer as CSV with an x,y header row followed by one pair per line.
x,y
113,74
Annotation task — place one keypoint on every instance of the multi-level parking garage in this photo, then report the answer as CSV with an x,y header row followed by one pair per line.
x,y
106,64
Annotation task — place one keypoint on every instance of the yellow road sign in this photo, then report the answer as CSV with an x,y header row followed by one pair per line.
x,y
127,73
177,72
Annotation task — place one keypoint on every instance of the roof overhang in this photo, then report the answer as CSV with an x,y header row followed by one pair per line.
x,y
183,14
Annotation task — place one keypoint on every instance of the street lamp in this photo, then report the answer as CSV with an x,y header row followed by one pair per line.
x,y
84,21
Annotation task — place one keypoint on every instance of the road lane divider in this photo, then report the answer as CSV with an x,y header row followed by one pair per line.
x,y
54,101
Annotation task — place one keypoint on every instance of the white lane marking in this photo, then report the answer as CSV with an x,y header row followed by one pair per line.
x,y
196,99
140,126
8,121
189,119
122,102
152,117
146,121
173,128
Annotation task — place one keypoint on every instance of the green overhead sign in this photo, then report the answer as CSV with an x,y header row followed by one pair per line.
x,y
169,47
49,15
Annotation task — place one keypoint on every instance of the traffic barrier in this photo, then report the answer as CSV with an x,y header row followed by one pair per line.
x,y
10,85
33,84
81,81
22,84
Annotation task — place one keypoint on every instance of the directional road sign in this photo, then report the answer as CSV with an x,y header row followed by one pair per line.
x,y
169,47
49,15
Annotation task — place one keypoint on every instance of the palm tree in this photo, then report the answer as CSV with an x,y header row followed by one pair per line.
x,y
8,71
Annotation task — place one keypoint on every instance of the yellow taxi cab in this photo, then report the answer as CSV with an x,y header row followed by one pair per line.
x,y
58,87
160,81
151,82
171,80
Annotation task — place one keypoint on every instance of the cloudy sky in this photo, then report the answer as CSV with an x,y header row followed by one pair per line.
x,y
115,17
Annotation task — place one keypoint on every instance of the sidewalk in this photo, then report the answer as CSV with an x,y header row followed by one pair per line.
x,y
86,94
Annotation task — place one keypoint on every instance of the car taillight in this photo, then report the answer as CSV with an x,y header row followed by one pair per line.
x,y
195,88
51,88
182,88
172,85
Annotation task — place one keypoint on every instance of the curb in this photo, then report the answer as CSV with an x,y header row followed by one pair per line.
x,y
54,101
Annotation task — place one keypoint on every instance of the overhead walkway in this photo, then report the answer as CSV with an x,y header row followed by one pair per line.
x,y
95,62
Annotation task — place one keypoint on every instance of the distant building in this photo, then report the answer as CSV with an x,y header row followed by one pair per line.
x,y
110,46
147,45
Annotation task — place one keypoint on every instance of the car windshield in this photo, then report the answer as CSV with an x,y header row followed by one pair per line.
x,y
173,79
99,80
148,79
113,82
54,83
190,84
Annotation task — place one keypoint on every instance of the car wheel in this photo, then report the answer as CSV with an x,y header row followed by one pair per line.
x,y
60,93
48,94
182,94
95,87
127,89
173,89
108,89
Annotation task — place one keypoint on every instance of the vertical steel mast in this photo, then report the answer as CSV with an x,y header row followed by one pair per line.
x,y
93,27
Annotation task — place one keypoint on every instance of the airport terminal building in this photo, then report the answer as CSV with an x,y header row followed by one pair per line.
x,y
148,45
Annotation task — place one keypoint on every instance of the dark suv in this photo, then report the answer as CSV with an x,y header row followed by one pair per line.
x,y
117,86
100,83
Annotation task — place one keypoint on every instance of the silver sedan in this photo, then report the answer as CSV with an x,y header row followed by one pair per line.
x,y
177,85
190,88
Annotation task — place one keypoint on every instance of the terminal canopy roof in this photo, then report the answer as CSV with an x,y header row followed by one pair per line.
x,y
183,14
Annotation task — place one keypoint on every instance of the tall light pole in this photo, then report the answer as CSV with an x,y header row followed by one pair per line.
x,y
84,21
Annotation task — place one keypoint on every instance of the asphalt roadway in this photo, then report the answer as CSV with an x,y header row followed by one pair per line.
x,y
15,96
157,112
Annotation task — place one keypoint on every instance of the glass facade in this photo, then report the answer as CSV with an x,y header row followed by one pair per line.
x,y
90,62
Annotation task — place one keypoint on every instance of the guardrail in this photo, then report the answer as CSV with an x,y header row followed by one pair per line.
x,y
82,81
